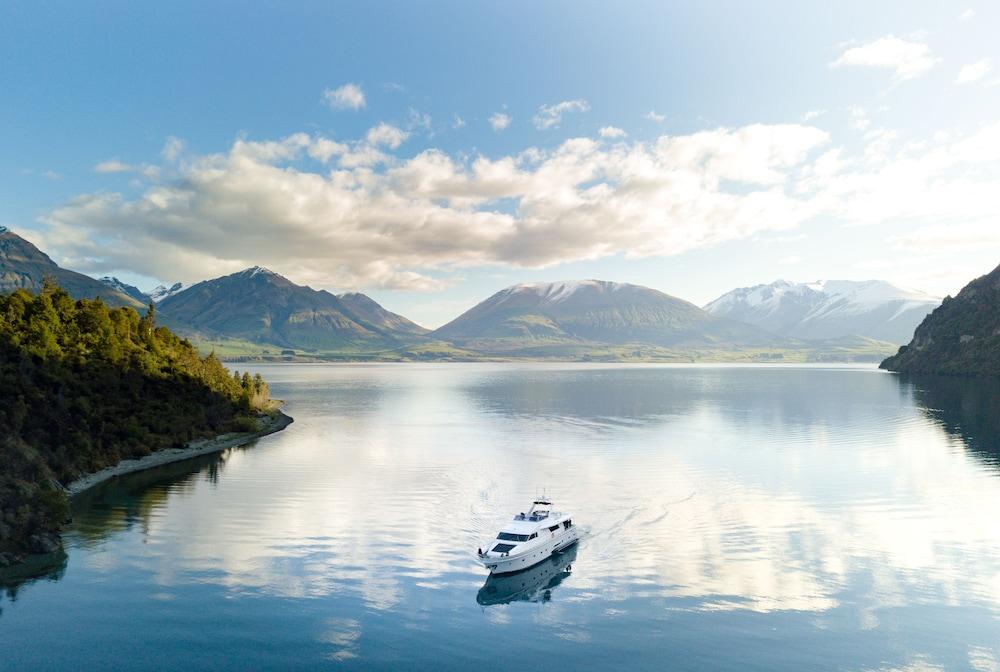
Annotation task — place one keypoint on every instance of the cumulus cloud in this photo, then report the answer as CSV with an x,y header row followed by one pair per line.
x,y
386,135
367,218
653,115
550,116
346,97
907,58
974,72
500,120
611,132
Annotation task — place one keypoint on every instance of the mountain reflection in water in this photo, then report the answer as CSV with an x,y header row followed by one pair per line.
x,y
765,517
534,584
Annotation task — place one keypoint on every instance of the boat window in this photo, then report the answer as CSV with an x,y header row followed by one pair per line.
x,y
508,536
553,528
533,535
503,548
568,524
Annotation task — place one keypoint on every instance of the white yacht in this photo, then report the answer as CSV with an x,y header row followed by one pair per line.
x,y
529,539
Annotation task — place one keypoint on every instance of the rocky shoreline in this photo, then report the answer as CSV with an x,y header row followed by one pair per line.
x,y
48,546
269,423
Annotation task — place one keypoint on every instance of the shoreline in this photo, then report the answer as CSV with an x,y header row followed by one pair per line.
x,y
270,423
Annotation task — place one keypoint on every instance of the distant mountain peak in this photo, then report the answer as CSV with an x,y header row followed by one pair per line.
x,y
255,271
573,313
828,308
161,292
561,290
125,288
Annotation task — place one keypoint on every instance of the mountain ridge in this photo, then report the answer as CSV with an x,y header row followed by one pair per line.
x,y
24,266
589,311
828,309
260,305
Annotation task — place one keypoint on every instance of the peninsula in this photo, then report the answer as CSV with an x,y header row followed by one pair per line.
x,y
88,392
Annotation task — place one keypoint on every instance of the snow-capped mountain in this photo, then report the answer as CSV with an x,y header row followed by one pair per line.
x,y
594,311
829,309
161,292
125,288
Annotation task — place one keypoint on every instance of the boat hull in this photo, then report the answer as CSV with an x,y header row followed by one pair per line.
x,y
530,557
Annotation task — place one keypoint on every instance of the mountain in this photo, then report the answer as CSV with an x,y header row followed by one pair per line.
x,y
261,306
590,312
828,309
960,337
128,290
161,292
22,265
365,310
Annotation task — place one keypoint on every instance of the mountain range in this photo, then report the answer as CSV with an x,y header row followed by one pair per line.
x,y
261,306
828,309
257,312
536,317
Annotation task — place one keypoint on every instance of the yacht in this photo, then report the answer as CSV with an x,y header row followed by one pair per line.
x,y
529,539
532,585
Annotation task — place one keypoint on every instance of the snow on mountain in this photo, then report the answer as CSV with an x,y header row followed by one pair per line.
x,y
828,309
125,288
161,292
551,293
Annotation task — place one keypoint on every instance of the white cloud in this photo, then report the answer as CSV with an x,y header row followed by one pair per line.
x,y
611,132
457,122
113,166
974,72
172,149
386,135
956,237
967,14
418,119
550,116
346,97
653,115
500,120
377,220
908,58
812,114
859,117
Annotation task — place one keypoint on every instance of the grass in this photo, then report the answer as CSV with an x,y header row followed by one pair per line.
x,y
852,349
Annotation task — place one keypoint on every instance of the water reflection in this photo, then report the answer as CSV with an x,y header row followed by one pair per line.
x,y
967,408
534,584
832,511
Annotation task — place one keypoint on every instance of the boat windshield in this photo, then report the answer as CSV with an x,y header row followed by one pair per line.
x,y
507,536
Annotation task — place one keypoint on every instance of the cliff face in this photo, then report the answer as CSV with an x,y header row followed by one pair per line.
x,y
961,337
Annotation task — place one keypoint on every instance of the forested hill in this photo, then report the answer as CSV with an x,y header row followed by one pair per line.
x,y
961,337
83,386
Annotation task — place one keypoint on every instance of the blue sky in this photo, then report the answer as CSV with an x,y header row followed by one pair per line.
x,y
741,143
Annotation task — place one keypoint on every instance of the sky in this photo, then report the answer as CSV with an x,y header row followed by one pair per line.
x,y
432,154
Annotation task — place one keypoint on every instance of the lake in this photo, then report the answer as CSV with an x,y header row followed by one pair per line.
x,y
757,517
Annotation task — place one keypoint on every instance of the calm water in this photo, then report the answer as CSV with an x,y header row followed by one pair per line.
x,y
737,518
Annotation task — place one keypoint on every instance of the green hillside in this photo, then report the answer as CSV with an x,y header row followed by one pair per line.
x,y
84,386
961,337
